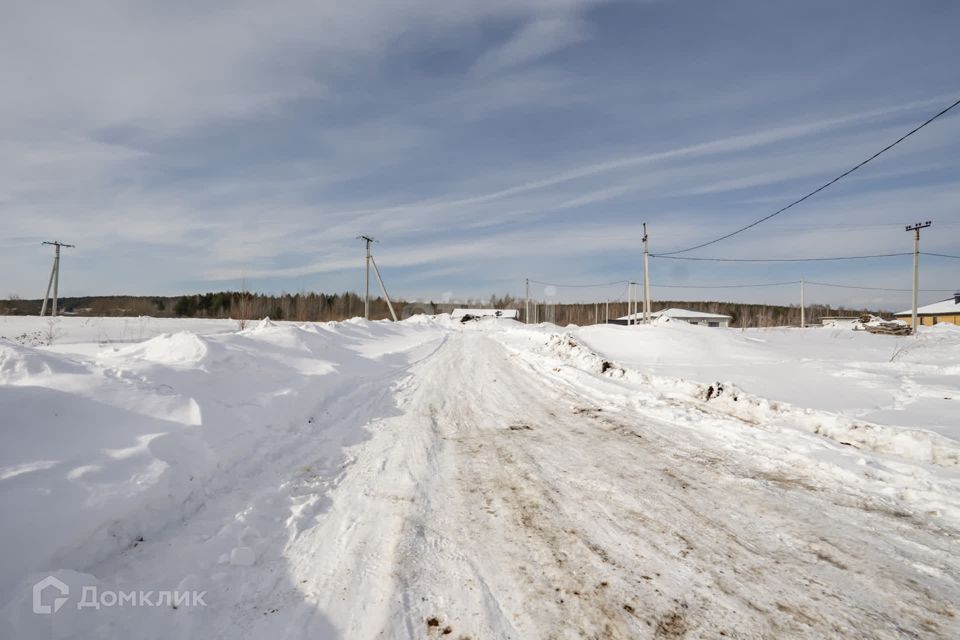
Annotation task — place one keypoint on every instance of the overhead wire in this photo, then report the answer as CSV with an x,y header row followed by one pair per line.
x,y
579,286
818,189
723,286
850,286
789,282
825,259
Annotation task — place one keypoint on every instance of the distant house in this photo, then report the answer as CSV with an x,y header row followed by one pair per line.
x,y
839,321
944,311
465,315
683,315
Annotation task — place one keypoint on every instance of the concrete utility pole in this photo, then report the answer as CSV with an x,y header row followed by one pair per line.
x,y
802,309
376,269
54,277
646,277
526,312
366,293
916,265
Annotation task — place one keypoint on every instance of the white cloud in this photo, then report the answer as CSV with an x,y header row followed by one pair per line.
x,y
536,39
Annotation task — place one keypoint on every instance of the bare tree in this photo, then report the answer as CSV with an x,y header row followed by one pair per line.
x,y
243,306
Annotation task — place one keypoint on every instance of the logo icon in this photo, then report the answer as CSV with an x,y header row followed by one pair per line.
x,y
40,587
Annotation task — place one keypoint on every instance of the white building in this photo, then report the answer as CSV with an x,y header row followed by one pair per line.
x,y
683,315
507,314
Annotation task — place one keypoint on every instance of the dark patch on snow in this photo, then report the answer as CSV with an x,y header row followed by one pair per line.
x,y
608,367
825,557
672,625
587,410
714,391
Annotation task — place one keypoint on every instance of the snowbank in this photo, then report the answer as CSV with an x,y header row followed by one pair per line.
x,y
104,445
915,444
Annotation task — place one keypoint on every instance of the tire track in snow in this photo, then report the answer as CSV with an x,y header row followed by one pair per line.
x,y
582,524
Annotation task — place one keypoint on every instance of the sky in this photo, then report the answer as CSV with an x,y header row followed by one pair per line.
x,y
199,146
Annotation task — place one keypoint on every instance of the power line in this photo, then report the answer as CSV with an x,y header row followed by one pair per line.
x,y
939,255
578,286
849,286
818,189
789,282
878,255
723,286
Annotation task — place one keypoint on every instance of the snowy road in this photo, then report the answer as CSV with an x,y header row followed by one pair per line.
x,y
511,484
524,510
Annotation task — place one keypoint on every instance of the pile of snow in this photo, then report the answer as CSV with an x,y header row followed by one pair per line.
x,y
919,445
183,348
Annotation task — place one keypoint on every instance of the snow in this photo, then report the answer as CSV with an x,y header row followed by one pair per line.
x,y
679,314
509,314
950,306
396,480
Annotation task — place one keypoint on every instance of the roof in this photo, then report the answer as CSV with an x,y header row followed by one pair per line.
x,y
512,314
947,306
681,314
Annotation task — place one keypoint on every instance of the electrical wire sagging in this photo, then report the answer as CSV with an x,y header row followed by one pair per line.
x,y
818,189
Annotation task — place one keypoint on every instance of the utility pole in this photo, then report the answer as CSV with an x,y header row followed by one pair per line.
x,y
376,269
646,277
802,309
916,265
526,313
629,303
54,277
606,312
366,293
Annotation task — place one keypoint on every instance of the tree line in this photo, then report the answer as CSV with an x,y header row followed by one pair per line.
x,y
741,314
322,307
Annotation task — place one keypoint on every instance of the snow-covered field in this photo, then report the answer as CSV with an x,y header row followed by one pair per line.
x,y
428,479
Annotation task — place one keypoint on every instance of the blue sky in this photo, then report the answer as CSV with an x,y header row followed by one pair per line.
x,y
187,146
